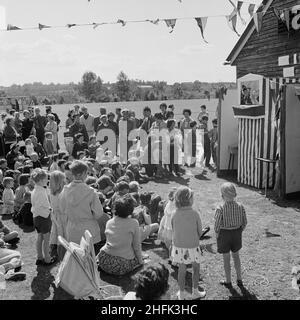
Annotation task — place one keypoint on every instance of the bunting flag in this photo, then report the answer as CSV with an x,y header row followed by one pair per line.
x,y
239,6
202,21
286,15
70,25
258,17
171,23
123,23
42,26
154,21
251,9
10,27
232,20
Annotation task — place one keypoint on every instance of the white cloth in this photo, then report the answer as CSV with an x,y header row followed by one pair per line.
x,y
40,202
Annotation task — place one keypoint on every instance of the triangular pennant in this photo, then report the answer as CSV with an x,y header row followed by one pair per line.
x,y
171,24
251,9
10,27
258,17
70,25
202,21
232,20
286,14
234,6
42,26
95,25
239,6
122,22
154,21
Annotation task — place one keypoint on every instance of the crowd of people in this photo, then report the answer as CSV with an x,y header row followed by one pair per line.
x,y
89,188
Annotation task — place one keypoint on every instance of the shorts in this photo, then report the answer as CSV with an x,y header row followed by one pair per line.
x,y
229,240
186,256
42,225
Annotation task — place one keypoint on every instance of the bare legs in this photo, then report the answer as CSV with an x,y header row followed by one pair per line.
x,y
42,244
237,266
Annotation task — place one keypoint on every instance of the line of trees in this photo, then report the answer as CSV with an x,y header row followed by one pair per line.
x,y
92,88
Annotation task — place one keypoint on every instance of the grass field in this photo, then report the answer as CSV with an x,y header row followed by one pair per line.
x,y
266,261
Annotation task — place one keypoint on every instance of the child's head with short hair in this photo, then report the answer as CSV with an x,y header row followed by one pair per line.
x,y
228,191
79,170
23,179
134,187
184,197
152,283
39,177
34,157
124,206
203,108
8,182
3,163
145,198
123,187
27,197
61,164
57,182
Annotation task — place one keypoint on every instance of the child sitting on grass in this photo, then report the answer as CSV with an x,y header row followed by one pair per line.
x,y
25,213
230,222
8,196
187,230
41,211
141,214
20,191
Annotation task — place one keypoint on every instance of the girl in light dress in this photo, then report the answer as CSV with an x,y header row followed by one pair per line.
x,y
165,227
51,126
59,221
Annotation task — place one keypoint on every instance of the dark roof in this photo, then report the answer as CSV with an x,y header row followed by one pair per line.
x,y
246,34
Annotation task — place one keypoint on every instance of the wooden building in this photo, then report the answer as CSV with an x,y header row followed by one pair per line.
x,y
267,64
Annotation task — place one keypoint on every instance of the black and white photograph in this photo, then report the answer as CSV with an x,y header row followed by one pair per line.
x,y
149,151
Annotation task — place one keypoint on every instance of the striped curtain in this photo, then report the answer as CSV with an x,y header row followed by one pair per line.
x,y
258,138
250,147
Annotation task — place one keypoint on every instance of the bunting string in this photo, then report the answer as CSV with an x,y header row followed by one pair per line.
x,y
170,22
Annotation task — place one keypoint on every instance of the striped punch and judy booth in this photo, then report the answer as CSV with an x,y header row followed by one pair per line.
x,y
257,130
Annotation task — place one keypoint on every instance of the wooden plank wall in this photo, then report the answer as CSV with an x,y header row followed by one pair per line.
x,y
260,54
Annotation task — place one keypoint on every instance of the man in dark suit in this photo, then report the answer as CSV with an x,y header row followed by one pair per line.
x,y
39,123
148,120
97,120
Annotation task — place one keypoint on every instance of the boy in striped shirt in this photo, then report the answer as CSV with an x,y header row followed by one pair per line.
x,y
230,222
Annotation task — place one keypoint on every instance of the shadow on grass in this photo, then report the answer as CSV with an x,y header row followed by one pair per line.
x,y
244,294
126,282
41,284
202,176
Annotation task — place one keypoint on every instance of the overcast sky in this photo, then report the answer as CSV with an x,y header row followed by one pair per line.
x,y
143,51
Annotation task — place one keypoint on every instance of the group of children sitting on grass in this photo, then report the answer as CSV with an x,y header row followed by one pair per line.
x,y
105,197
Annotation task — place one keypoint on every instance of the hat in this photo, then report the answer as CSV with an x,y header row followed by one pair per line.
x,y
228,191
